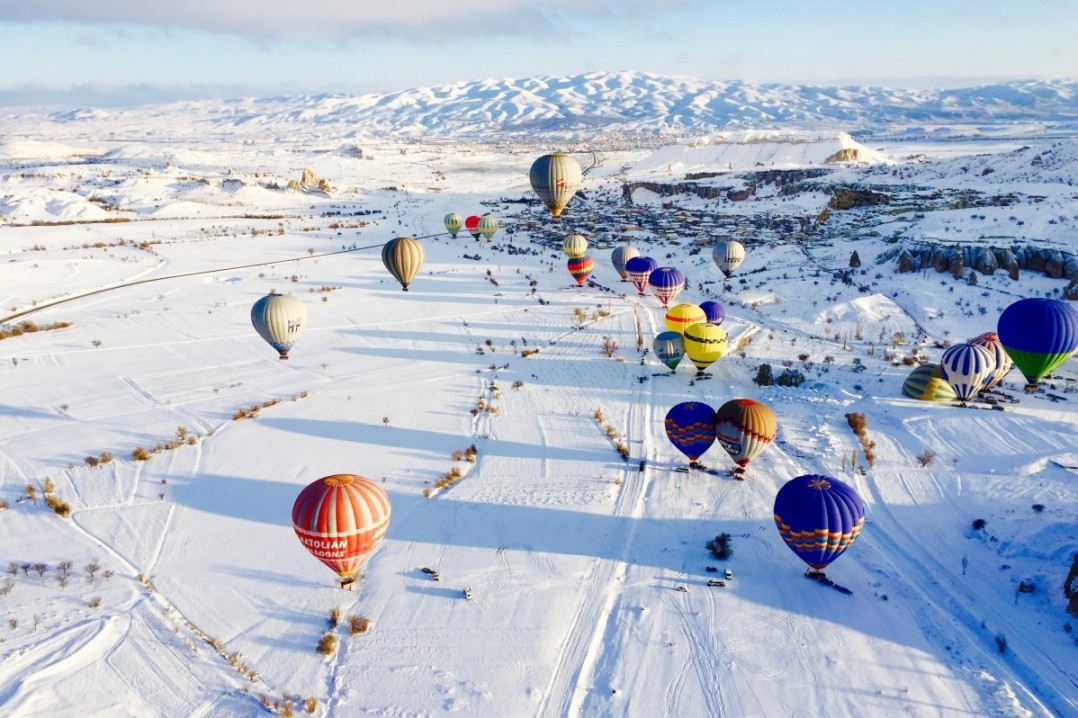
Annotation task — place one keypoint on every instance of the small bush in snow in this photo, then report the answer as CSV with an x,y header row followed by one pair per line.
x,y
1001,642
720,547
926,457
327,645
979,524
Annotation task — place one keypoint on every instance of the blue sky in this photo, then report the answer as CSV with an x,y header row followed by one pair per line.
x,y
77,53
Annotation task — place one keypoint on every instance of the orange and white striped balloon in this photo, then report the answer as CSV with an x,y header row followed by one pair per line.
x,y
340,520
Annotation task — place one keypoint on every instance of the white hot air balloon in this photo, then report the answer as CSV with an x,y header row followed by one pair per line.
x,y
279,319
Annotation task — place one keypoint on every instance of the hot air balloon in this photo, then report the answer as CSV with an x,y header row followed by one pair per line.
x,y
622,254
926,383
279,319
487,226
575,245
744,428
580,268
991,342
704,344
453,222
639,269
472,225
666,283
555,178
818,517
1039,335
669,347
713,311
403,257
690,426
728,255
966,367
681,316
341,519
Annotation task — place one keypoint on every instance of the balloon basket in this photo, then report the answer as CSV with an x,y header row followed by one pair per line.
x,y
349,584
1032,388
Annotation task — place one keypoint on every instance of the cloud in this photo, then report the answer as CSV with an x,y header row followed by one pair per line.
x,y
336,20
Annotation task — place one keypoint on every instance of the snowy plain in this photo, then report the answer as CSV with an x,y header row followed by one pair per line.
x,y
576,559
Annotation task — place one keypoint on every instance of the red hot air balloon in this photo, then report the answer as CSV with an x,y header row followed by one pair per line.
x,y
580,268
340,520
472,225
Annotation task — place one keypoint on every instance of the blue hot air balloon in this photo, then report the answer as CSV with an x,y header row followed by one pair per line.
x,y
966,367
714,312
670,348
690,426
818,517
1039,335
666,283
639,269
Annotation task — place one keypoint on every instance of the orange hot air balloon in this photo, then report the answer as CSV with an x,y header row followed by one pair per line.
x,y
340,520
744,428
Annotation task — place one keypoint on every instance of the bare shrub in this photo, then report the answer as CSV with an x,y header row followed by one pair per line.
x,y
95,602
140,454
609,347
358,625
327,645
334,617
926,457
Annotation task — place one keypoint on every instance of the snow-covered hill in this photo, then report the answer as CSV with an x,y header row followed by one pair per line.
x,y
617,102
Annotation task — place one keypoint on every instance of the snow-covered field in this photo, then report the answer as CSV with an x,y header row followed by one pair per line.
x,y
204,603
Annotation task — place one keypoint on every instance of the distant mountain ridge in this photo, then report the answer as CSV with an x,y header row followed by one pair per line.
x,y
628,103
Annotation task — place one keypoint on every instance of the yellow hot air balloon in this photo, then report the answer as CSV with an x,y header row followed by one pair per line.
x,y
453,222
575,245
279,319
403,257
488,225
681,316
556,178
704,344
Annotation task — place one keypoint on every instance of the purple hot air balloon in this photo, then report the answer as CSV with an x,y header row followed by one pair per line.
x,y
714,312
690,426
666,283
818,517
639,269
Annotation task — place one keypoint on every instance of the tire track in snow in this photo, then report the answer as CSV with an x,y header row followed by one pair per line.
x,y
575,669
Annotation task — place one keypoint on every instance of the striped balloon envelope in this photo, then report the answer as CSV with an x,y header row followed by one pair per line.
x,y
279,319
728,255
555,178
966,367
580,268
488,225
714,312
340,520
472,225
704,344
622,254
666,283
926,383
639,269
403,257
681,316
1039,335
745,428
818,517
690,426
670,348
575,245
991,342
453,222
